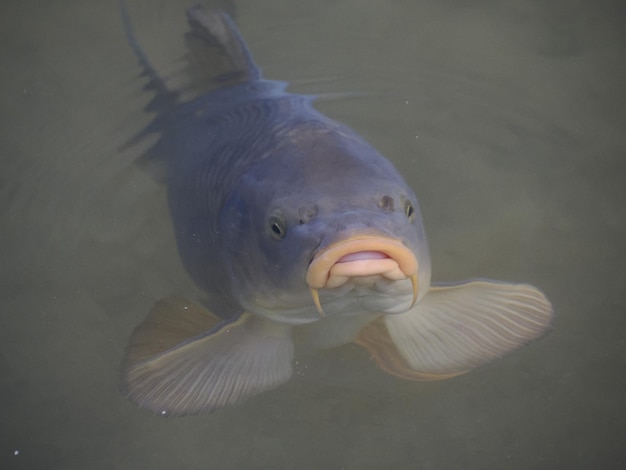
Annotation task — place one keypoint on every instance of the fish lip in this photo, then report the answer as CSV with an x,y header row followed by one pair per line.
x,y
323,261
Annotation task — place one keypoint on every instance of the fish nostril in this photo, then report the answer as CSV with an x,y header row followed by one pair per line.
x,y
386,203
305,214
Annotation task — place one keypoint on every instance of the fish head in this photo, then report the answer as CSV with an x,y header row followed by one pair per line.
x,y
324,226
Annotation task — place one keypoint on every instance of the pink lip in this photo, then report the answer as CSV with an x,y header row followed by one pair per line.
x,y
361,256
356,258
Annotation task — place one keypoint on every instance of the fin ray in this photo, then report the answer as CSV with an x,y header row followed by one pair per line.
x,y
170,322
457,328
220,367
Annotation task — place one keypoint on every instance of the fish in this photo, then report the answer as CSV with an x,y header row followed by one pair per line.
x,y
302,236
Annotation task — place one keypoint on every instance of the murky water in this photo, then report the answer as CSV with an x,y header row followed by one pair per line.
x,y
506,117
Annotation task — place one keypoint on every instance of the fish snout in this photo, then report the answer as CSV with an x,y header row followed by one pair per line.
x,y
358,258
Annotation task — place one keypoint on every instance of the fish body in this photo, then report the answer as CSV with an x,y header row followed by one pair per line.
x,y
295,227
264,157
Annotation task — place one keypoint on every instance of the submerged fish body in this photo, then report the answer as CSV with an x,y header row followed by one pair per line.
x,y
266,182
295,227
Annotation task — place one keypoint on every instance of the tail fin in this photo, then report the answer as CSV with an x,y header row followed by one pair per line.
x,y
211,29
215,56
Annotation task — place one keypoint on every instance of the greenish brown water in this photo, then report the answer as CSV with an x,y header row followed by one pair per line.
x,y
507,118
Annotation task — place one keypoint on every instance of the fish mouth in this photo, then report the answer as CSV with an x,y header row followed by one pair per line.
x,y
359,257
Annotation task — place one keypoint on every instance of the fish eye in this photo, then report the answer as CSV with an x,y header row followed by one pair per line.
x,y
409,210
277,227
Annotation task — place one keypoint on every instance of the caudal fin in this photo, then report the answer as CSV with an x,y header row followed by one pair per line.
x,y
211,29
215,56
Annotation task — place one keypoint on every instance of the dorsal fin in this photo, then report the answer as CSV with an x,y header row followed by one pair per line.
x,y
164,98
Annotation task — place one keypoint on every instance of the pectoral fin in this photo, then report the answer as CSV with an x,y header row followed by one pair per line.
x,y
181,360
457,328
